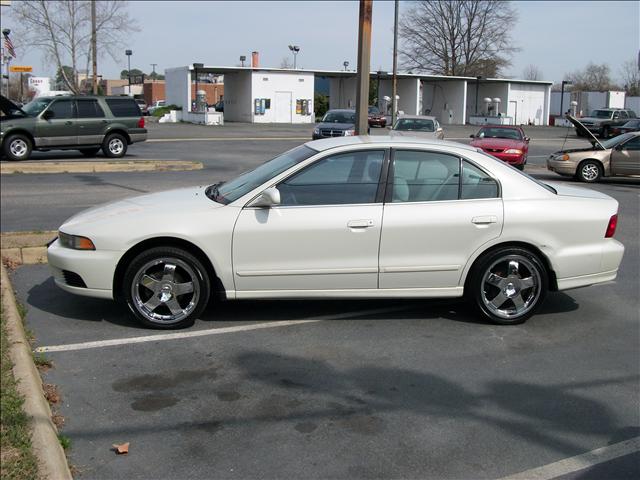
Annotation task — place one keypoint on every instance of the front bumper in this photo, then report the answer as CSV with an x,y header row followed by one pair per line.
x,y
96,268
510,158
563,167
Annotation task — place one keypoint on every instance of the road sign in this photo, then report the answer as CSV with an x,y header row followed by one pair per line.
x,y
20,68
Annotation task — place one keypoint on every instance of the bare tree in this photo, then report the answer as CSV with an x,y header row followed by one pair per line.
x,y
285,63
532,72
62,30
450,37
630,76
594,78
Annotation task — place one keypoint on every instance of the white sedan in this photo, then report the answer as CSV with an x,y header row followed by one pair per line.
x,y
360,217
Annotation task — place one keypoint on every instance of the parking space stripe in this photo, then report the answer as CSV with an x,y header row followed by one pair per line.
x,y
211,331
579,462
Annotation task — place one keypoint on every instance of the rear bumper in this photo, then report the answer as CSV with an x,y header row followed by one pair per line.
x,y
610,258
137,134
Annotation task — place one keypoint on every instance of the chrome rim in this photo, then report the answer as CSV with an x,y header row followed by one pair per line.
x,y
116,146
590,171
18,147
165,290
511,286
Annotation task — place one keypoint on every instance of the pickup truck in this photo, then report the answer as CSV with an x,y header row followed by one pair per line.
x,y
601,120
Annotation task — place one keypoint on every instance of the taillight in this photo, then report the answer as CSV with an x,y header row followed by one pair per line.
x,y
611,228
141,122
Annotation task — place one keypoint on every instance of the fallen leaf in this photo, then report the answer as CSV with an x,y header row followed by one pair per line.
x,y
121,449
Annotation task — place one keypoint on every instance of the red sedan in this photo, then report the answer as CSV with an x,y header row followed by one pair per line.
x,y
504,142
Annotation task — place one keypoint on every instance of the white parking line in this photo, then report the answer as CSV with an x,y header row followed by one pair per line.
x,y
211,331
579,462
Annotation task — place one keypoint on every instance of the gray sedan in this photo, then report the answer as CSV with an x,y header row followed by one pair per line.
x,y
419,126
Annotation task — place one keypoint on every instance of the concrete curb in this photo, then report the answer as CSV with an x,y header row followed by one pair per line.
x,y
99,167
25,248
52,461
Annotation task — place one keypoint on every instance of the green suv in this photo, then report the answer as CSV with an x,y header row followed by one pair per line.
x,y
84,123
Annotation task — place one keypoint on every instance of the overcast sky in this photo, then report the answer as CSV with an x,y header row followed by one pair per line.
x,y
557,37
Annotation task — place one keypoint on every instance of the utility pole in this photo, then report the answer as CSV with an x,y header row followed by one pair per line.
x,y
94,47
394,89
364,67
153,66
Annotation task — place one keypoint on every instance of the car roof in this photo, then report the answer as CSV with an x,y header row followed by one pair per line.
x,y
510,127
328,143
417,117
75,97
342,110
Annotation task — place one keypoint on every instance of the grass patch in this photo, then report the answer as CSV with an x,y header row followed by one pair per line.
x,y
64,441
17,460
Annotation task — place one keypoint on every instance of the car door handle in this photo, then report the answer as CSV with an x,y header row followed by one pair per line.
x,y
484,220
365,223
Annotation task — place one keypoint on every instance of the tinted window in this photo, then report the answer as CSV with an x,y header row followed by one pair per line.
x,y
415,124
123,107
476,183
601,114
424,176
510,133
349,178
339,117
623,114
89,109
633,144
62,109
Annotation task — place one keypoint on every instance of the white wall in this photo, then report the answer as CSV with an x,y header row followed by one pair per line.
x,y
267,84
237,97
124,90
527,104
177,91
342,92
632,103
616,99
493,90
445,100
555,102
409,101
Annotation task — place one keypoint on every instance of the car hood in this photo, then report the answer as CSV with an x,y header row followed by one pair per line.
x,y
336,126
584,132
10,109
412,133
165,206
497,143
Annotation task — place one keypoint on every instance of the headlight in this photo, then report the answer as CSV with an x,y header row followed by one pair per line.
x,y
316,131
563,157
75,242
514,151
348,133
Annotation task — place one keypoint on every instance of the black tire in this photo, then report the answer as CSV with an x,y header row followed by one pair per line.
x,y
17,147
589,171
520,167
89,152
114,145
604,133
152,280
507,285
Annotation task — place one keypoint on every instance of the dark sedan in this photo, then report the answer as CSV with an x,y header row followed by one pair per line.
x,y
630,126
336,123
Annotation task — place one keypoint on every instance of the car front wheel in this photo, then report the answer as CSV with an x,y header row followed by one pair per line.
x,y
114,146
508,285
589,171
166,287
17,147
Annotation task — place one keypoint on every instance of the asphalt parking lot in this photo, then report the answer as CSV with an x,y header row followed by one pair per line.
x,y
330,389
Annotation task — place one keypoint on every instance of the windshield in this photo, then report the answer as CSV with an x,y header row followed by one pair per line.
x,y
601,114
415,124
612,142
339,117
228,192
509,133
374,111
36,106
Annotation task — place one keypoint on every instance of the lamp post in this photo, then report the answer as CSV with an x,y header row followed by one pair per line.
x,y
394,81
477,91
564,82
128,54
7,57
345,64
294,49
242,59
196,66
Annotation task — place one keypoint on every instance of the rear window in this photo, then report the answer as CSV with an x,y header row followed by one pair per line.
x,y
123,107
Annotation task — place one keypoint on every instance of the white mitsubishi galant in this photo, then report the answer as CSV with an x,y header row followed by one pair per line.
x,y
357,217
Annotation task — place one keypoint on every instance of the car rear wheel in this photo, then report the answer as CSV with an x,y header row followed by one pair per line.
x,y
89,152
166,287
508,285
17,147
589,171
114,145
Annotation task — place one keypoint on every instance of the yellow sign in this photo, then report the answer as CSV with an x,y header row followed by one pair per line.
x,y
20,68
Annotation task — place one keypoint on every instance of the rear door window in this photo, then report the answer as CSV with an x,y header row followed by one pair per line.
x,y
89,109
123,107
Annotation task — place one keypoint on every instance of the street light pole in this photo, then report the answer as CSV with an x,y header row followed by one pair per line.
x,y
94,48
345,64
196,66
394,88
364,67
294,49
128,54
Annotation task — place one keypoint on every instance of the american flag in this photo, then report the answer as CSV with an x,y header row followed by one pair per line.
x,y
8,46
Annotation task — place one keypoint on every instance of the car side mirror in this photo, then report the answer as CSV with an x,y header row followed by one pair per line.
x,y
526,139
48,115
472,136
269,198
439,129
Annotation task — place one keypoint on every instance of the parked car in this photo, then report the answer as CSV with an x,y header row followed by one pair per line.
x,y
602,120
508,143
336,123
376,118
631,126
619,156
84,123
420,126
309,224
157,104
143,106
219,107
